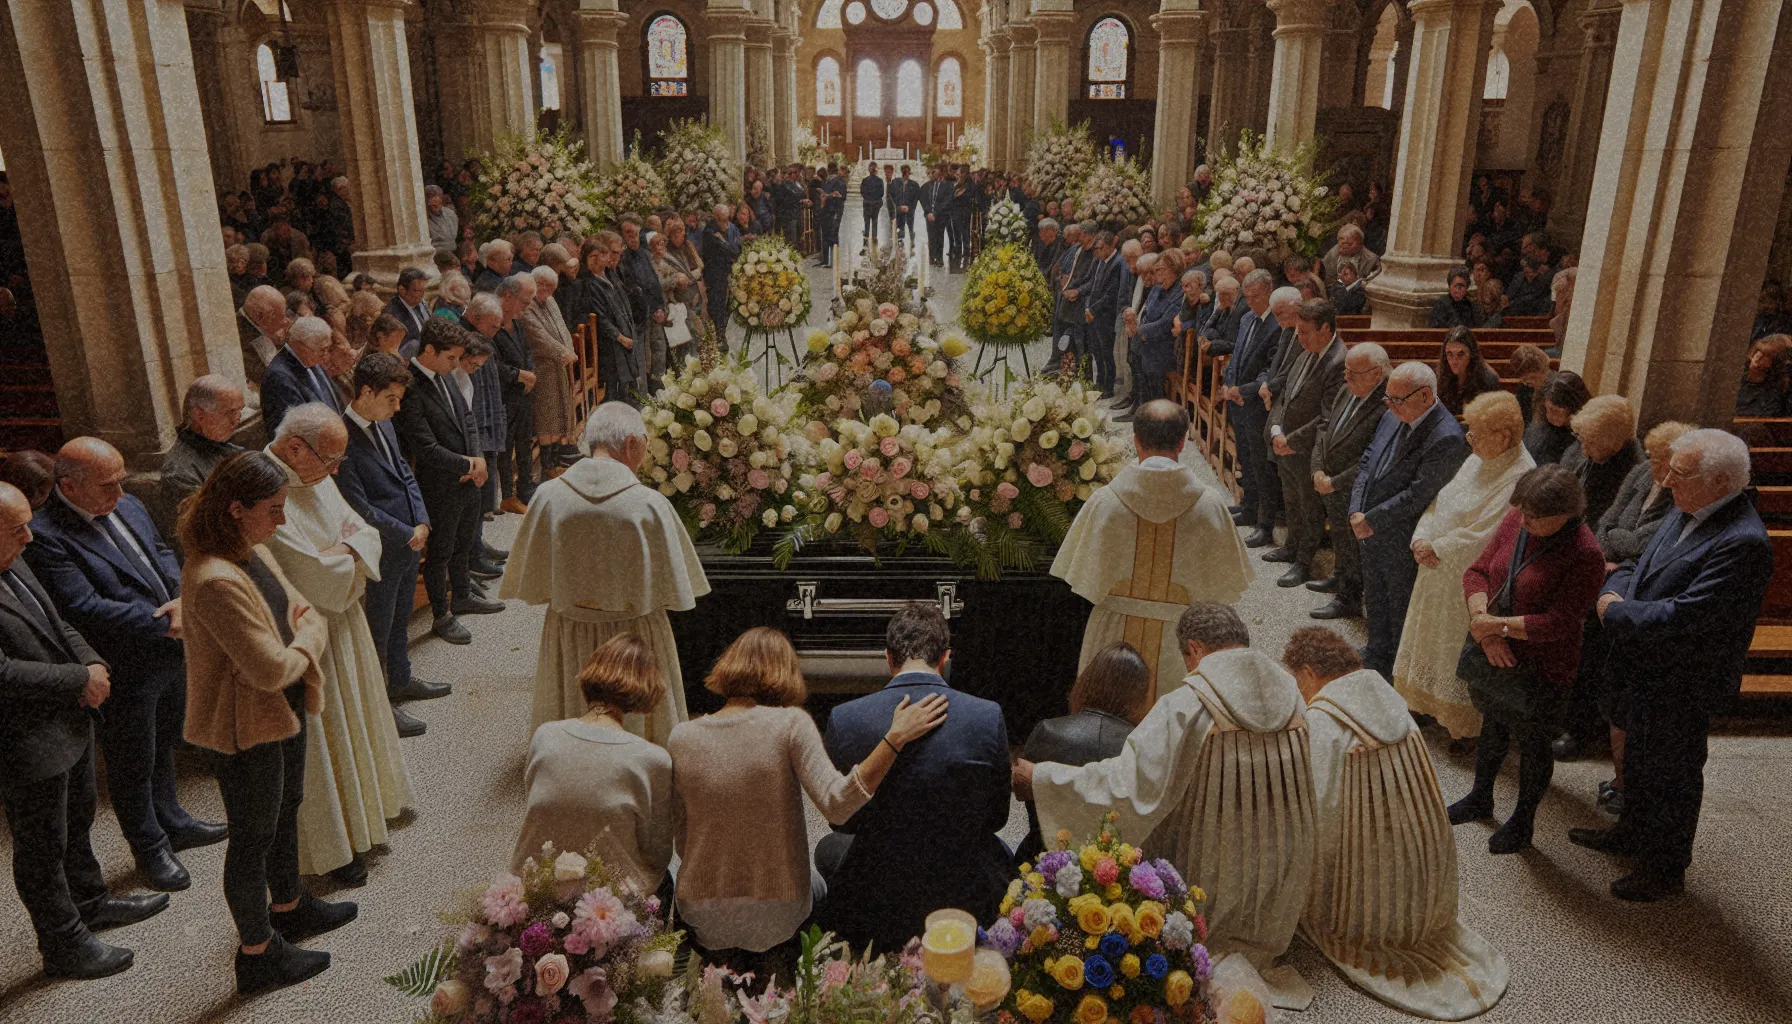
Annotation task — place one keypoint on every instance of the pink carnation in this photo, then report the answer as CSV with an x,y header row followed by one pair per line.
x,y
758,480
920,490
1014,521
719,407
1039,476
917,365
503,902
878,517
900,468
896,375
1107,871
1007,490
1018,917
1077,448
707,513
681,459
889,446
842,350
853,458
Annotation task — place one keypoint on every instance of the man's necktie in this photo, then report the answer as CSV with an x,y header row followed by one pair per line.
x,y
146,572
326,390
28,601
379,443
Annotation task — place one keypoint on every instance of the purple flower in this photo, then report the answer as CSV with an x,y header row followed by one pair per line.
x,y
536,940
1051,863
529,1011
1145,879
1172,878
1004,938
1203,966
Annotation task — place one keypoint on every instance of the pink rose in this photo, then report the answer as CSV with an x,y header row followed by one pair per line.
x,y
878,517
838,494
900,468
822,481
900,347
1014,521
550,974
1007,490
919,491
889,446
853,458
1077,448
719,407
1039,476
888,311
870,469
758,480
681,459
1018,918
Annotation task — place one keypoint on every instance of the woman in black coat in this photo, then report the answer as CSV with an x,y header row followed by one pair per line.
x,y
1461,372
1455,309
1604,450
1550,434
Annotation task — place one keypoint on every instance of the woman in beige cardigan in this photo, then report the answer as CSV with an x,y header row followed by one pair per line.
x,y
252,675
544,330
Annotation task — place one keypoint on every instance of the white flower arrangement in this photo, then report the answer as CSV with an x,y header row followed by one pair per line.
x,y
809,150
633,185
537,183
767,287
1058,159
696,166
1028,462
881,481
1116,194
1265,200
968,146
1006,223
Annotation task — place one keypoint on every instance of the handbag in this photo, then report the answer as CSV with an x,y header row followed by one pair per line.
x,y
1512,695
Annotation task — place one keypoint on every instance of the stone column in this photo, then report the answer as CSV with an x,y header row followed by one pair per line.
x,y
759,79
204,29
1180,27
486,80
1227,110
1294,80
1053,66
995,99
379,136
1599,34
1691,165
105,148
1340,78
1260,72
1402,62
1021,58
1435,157
600,83
784,95
728,73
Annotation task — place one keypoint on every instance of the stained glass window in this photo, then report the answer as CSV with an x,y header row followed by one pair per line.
x,y
276,105
1108,41
950,18
829,16
889,10
668,67
869,89
827,87
911,95
950,100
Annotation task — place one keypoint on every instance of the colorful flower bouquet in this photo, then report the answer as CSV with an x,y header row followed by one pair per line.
x,y
1102,934
536,183
809,150
1058,159
697,167
1115,194
1262,199
1006,301
566,942
767,288
881,481
633,185
884,343
717,448
1006,223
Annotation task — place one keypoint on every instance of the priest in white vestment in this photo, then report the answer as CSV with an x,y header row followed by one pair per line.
x,y
607,554
1450,536
1150,543
1216,781
1383,904
355,775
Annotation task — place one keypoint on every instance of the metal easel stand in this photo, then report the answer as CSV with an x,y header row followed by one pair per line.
x,y
787,359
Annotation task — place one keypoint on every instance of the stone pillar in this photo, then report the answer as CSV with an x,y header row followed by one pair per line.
x,y
204,29
1691,163
1294,80
1053,66
486,80
1402,62
1179,30
758,52
1435,158
728,73
106,153
995,100
379,136
600,84
1599,35
784,116
1021,59
1260,71
1340,72
1227,110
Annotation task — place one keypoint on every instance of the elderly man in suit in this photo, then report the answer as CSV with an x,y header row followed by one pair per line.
x,y
1253,356
720,247
297,375
265,310
516,371
52,685
929,839
407,305
1101,312
1677,623
210,413
1417,449
110,573
497,259
1345,428
379,485
1312,377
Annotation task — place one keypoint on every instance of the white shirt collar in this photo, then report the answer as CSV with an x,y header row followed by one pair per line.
x,y
424,370
83,513
1159,462
361,421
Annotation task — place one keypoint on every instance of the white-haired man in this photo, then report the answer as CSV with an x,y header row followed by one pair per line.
x,y
608,555
1676,626
1350,245
1345,430
444,223
496,260
265,310
328,553
296,374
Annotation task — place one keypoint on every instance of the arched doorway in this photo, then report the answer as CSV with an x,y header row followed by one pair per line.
x,y
897,73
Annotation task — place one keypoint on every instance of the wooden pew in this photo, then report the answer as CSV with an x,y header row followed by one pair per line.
x,y
1773,629
1354,321
1523,322
1198,388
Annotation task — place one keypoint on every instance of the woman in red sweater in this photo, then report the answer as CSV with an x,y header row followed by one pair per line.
x,y
1528,596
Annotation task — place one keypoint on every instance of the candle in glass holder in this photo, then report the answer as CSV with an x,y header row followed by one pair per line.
x,y
948,946
989,981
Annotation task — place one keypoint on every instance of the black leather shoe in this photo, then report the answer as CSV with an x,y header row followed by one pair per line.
x,y
88,960
118,911
1278,555
1513,836
485,570
1241,519
1294,577
1565,747
1647,887
1260,538
1470,808
420,689
1603,840
496,556
449,628
1337,608
353,874
1329,585
314,916
162,871
200,833
477,606
1235,509
280,964
408,725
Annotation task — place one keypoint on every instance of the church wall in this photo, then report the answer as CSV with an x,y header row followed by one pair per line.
x,y
315,133
961,43
631,44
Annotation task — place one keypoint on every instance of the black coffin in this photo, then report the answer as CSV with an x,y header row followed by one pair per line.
x,y
1014,640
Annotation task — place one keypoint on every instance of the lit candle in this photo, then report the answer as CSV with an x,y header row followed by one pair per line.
x,y
887,136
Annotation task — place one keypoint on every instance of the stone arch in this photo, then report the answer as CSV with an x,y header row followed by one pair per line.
x,y
1511,89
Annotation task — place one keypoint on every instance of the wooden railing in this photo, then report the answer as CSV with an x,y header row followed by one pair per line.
x,y
1197,387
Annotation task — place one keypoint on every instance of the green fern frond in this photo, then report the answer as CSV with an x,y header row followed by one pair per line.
x,y
421,978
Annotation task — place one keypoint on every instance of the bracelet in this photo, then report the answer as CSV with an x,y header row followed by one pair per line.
x,y
893,747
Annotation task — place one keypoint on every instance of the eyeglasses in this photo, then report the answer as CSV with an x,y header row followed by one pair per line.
x,y
326,463
1403,399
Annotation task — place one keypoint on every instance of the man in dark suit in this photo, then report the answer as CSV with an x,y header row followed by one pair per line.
x,y
903,195
516,372
437,433
1311,378
720,247
107,568
1253,356
1076,266
497,261
788,199
1677,623
52,684
871,196
1102,310
1345,429
934,197
296,374
929,839
833,208
1417,449
378,484
407,305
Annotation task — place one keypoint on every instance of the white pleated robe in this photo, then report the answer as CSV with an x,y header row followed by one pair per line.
x,y
1383,905
1141,550
355,775
607,555
1215,780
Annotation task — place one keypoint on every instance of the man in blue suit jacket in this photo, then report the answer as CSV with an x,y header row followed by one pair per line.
x,y
378,484
927,840
1253,356
296,375
1677,623
1416,450
116,581
407,306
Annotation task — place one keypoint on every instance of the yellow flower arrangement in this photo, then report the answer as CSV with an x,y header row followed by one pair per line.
x,y
1006,301
766,288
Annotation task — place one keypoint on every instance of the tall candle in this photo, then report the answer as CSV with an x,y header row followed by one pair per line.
x,y
887,136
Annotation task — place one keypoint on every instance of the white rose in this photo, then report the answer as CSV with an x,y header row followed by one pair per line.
x,y
703,441
569,867
682,483
703,418
770,517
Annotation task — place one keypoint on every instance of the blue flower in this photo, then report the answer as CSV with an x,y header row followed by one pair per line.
x,y
1156,966
1097,972
1114,945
